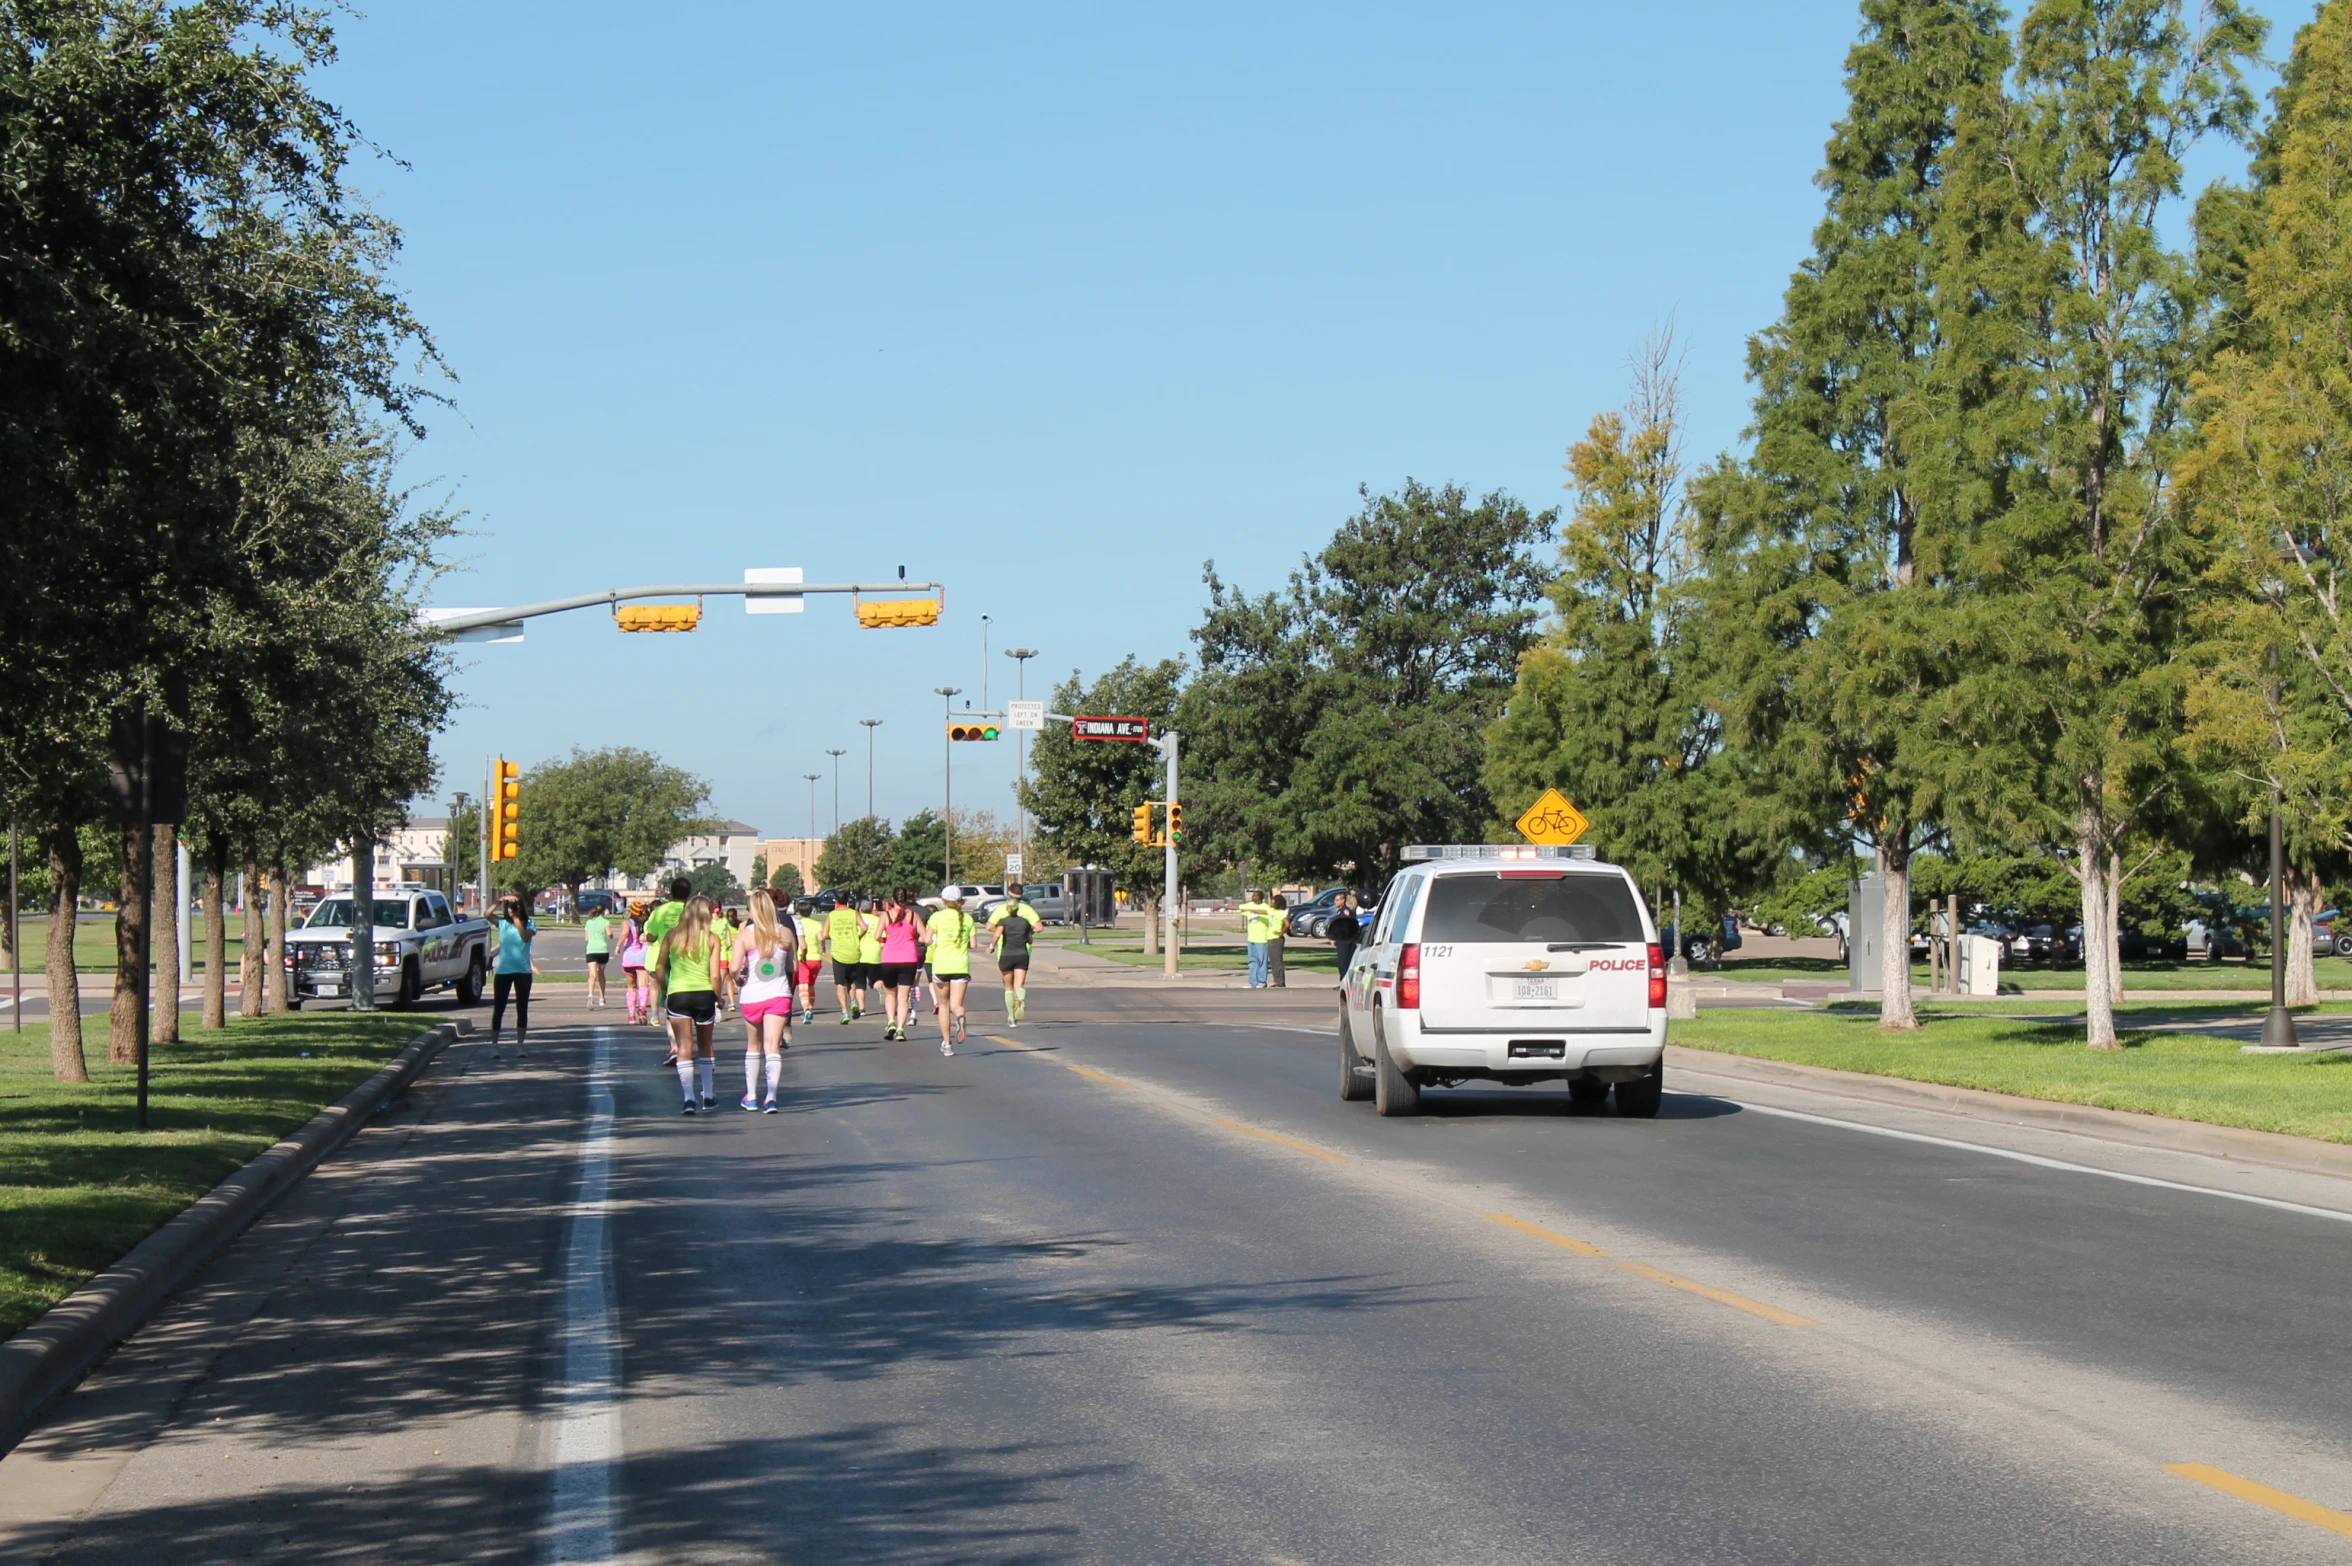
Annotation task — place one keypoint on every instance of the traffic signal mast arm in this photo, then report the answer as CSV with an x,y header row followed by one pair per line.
x,y
485,619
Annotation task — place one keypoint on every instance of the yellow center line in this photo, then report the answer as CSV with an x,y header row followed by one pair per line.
x,y
2263,1495
1099,1077
1656,1274
1308,1148
1548,1235
1771,1313
995,1038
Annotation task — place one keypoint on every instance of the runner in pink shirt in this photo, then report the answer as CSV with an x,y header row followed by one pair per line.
x,y
902,960
766,963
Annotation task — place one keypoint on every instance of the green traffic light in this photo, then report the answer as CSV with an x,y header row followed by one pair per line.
x,y
989,732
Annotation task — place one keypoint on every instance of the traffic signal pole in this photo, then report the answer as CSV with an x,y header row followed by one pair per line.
x,y
1173,896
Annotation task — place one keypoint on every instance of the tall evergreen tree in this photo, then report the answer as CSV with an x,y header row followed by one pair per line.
x,y
1826,573
2068,375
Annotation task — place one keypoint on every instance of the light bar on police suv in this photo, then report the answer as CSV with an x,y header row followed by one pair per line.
x,y
1419,852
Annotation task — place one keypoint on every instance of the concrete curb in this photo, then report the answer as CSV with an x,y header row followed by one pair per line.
x,y
50,1357
2304,1154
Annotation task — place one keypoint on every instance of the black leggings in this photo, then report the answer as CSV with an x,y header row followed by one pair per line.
x,y
520,984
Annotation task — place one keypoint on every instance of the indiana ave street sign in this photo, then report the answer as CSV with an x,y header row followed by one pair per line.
x,y
1110,728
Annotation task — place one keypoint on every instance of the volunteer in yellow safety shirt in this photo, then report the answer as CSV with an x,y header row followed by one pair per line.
x,y
951,930
1265,924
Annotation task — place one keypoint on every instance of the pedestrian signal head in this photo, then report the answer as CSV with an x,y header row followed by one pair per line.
x,y
971,729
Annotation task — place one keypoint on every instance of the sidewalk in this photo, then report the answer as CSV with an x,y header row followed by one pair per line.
x,y
1059,958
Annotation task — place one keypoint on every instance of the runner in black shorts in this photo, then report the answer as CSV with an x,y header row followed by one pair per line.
x,y
1015,924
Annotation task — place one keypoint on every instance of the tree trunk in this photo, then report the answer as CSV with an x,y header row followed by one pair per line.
x,y
1894,961
216,938
169,896
2114,931
273,957
66,1061
2098,909
2303,895
1151,926
130,970
251,988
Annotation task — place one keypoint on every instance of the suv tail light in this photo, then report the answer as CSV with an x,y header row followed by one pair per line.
x,y
1409,978
1657,976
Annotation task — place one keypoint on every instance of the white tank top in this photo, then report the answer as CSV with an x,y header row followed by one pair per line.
x,y
764,978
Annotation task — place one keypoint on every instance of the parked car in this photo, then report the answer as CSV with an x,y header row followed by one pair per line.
x,y
421,945
2138,946
1300,918
1694,942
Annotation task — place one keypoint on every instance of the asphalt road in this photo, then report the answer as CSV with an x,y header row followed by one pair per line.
x,y
1130,1284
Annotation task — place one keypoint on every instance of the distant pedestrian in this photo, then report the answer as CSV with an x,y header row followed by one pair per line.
x,y
812,954
1259,932
845,943
901,966
1015,924
633,964
1346,931
658,925
596,930
514,970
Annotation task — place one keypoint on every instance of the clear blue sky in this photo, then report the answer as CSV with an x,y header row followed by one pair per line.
x,y
1052,303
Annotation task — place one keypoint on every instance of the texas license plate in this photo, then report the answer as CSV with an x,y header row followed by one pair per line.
x,y
1536,989
328,986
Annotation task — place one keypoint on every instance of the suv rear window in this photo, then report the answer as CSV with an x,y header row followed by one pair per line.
x,y
1572,907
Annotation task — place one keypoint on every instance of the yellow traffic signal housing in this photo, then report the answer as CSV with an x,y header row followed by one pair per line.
x,y
506,797
971,729
891,613
1175,821
657,617
1143,831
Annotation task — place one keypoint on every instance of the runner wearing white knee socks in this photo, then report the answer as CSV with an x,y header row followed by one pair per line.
x,y
767,954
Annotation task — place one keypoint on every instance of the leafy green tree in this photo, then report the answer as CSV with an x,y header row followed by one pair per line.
x,y
596,812
1610,706
1082,794
2070,374
919,854
1343,718
1825,579
785,881
716,882
859,857
2271,478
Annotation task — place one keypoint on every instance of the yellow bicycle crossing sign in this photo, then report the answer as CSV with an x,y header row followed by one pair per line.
x,y
1553,820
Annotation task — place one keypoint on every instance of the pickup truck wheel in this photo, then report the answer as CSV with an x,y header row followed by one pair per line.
x,y
1586,1095
293,1003
1640,1098
1393,1093
1355,1084
405,995
469,988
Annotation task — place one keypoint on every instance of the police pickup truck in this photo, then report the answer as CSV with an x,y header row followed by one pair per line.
x,y
1506,963
420,946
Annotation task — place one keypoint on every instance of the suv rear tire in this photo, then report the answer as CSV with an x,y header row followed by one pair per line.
x,y
1354,1086
1640,1098
1393,1093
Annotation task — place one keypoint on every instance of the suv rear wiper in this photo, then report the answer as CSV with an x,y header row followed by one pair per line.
x,y
1585,946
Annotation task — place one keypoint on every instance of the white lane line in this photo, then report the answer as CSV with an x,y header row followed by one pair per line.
x,y
2039,1161
588,1422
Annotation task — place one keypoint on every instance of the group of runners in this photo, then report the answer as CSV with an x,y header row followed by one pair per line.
x,y
686,961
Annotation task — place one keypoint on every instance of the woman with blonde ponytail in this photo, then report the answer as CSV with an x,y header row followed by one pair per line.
x,y
767,957
685,963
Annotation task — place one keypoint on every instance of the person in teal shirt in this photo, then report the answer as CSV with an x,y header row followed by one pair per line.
x,y
515,968
598,930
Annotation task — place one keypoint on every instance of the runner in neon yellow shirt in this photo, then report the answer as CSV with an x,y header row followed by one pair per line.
x,y
845,943
951,930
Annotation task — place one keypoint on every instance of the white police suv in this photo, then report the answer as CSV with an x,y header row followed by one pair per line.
x,y
1506,963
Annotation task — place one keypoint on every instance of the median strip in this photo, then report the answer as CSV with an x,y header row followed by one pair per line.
x,y
1771,1313
2263,1495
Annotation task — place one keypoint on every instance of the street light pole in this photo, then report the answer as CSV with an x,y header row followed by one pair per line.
x,y
2278,1029
984,707
1021,657
947,695
871,724
837,755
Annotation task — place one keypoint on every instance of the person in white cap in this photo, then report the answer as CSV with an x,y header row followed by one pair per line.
x,y
950,932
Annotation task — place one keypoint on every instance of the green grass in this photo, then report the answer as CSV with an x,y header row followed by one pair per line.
x,y
94,944
80,1185
2333,973
2183,1076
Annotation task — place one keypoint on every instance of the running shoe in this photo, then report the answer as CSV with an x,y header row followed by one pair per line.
x,y
750,1105
845,1019
689,1109
956,1030
945,1048
710,1102
768,1108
